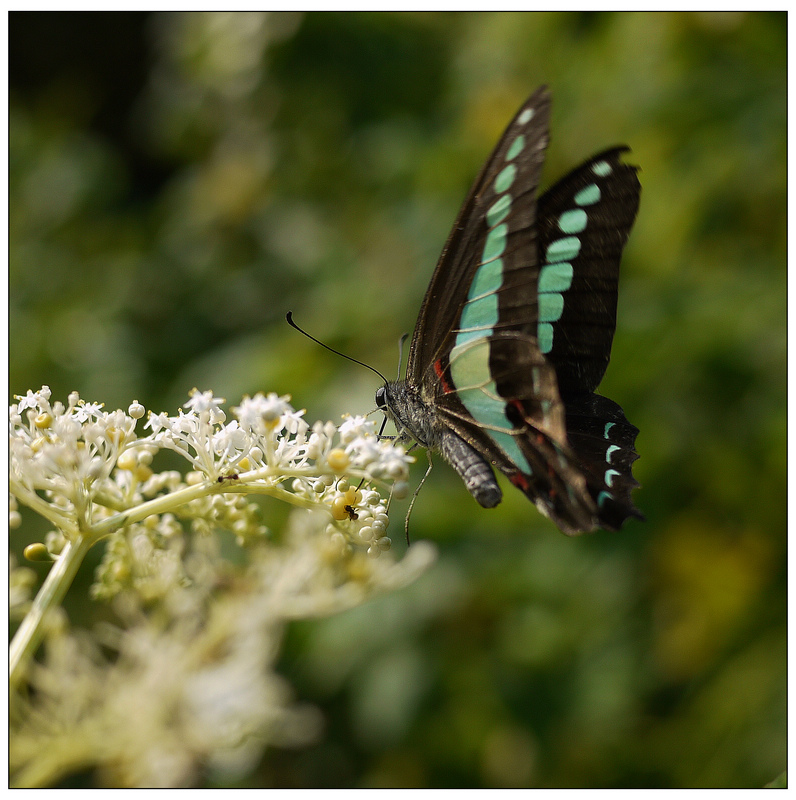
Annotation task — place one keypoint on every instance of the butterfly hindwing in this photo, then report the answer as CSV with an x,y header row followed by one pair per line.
x,y
603,441
546,472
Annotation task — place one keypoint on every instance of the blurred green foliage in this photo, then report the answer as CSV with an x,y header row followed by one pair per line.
x,y
179,181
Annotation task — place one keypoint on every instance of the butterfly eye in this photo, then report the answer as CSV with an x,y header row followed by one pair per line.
x,y
381,397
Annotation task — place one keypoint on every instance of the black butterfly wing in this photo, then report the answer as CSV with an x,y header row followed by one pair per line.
x,y
578,285
520,431
487,207
474,354
603,442
584,222
521,301
478,320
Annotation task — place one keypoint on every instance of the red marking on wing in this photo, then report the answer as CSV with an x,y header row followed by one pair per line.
x,y
446,387
520,481
518,405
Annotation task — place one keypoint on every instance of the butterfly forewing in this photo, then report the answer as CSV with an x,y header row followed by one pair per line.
x,y
583,223
493,238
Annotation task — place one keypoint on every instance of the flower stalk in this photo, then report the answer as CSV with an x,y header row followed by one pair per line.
x,y
32,629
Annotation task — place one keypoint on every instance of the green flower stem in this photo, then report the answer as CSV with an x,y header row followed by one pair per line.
x,y
31,631
29,498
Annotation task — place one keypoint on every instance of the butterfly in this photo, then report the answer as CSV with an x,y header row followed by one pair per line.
x,y
514,335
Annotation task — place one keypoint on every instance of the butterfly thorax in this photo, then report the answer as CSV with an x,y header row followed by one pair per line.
x,y
417,419
412,416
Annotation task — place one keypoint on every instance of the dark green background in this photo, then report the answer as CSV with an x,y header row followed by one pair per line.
x,y
177,183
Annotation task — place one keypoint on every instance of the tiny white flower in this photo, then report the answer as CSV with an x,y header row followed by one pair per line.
x,y
364,450
33,400
185,423
274,407
86,411
204,401
157,422
293,423
355,428
230,440
259,413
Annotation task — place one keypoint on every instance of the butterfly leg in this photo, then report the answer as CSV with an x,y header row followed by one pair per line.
x,y
414,496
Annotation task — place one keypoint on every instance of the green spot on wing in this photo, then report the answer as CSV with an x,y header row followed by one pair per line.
x,y
470,364
516,148
495,243
508,444
479,395
545,334
526,116
488,279
601,168
564,249
588,196
572,221
487,410
480,314
551,307
498,210
505,178
463,337
555,277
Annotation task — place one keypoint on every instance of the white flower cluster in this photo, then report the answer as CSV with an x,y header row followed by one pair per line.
x,y
80,466
192,683
194,687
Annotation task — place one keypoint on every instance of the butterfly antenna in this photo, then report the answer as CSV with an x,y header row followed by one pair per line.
x,y
289,318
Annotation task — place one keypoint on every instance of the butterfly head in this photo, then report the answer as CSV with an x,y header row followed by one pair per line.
x,y
401,403
381,398
389,402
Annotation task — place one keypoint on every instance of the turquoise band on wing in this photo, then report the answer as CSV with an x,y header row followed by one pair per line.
x,y
487,280
588,196
517,146
499,210
555,276
602,168
469,358
480,315
469,368
494,246
505,178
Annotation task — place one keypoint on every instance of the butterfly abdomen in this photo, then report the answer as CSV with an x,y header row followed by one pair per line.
x,y
472,468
